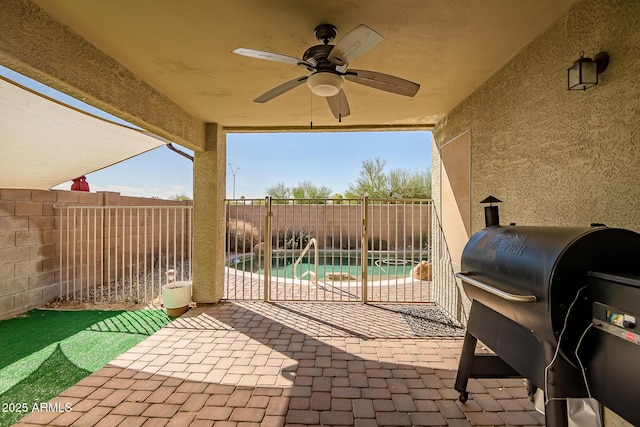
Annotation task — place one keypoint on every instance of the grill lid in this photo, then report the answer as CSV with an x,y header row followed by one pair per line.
x,y
544,265
530,260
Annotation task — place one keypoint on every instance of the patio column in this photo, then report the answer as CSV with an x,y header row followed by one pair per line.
x,y
208,217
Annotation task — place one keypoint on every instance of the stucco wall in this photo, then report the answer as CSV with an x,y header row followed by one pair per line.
x,y
558,157
41,48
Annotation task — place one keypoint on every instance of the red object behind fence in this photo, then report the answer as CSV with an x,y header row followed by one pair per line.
x,y
80,184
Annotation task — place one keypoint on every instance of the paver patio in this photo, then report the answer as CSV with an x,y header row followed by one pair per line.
x,y
255,363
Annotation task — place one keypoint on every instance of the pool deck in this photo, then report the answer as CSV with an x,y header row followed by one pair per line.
x,y
276,364
244,285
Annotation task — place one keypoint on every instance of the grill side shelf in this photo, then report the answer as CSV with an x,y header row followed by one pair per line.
x,y
495,291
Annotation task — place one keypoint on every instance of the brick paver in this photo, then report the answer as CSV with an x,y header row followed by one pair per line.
x,y
254,363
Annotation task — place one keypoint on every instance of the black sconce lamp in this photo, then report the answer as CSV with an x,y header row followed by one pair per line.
x,y
491,216
583,74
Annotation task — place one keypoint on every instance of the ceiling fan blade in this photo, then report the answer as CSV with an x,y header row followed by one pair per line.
x,y
353,44
279,90
270,56
382,81
339,105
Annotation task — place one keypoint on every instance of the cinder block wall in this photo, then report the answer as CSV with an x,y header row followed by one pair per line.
x,y
29,242
340,225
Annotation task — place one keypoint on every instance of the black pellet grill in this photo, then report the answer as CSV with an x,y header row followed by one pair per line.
x,y
529,285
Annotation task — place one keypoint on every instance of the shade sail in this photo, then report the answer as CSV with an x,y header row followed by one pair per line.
x,y
44,143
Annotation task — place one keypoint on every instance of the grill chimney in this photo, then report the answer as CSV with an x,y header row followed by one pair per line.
x,y
491,215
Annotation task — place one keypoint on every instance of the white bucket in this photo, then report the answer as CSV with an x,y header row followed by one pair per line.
x,y
176,297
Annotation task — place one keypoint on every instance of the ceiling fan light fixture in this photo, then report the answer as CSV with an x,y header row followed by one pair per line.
x,y
325,83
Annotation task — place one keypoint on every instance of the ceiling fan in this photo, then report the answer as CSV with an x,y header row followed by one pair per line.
x,y
328,65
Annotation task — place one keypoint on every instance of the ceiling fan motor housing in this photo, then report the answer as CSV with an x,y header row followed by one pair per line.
x,y
317,56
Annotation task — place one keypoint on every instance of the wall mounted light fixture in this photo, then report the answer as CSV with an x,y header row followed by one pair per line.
x,y
583,74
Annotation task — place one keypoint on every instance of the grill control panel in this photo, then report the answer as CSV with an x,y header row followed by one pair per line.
x,y
616,322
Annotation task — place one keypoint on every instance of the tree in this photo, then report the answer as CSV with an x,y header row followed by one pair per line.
x,y
399,183
302,192
406,185
337,198
306,190
279,191
372,181
180,197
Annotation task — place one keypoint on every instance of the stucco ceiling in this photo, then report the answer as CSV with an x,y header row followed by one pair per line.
x,y
183,49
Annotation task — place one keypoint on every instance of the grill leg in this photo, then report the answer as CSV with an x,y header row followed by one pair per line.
x,y
555,414
480,365
555,411
465,365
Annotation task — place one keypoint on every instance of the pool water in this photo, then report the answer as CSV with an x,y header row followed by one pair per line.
x,y
340,267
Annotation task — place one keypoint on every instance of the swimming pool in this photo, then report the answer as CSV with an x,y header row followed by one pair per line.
x,y
332,265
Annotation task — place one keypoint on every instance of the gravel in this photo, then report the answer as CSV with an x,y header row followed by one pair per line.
x,y
430,322
125,289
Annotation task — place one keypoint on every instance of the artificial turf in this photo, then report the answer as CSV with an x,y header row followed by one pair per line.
x,y
44,352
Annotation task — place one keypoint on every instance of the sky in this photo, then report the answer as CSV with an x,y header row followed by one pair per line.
x,y
259,160
325,159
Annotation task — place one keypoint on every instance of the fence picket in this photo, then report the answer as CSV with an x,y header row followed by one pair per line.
x,y
374,236
132,248
366,247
